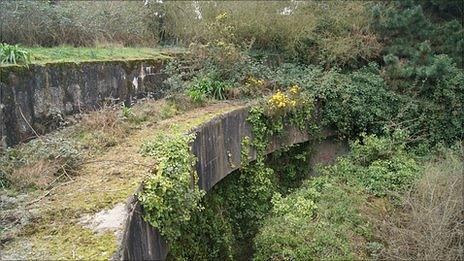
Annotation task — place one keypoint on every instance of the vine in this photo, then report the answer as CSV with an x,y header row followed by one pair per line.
x,y
171,194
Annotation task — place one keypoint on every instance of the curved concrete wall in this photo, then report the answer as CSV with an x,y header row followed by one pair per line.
x,y
40,94
217,147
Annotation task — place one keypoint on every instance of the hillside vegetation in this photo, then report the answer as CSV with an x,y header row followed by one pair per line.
x,y
388,77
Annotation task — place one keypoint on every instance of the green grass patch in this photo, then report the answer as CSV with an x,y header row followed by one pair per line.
x,y
42,55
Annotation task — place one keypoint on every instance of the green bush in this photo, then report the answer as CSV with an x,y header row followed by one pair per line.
x,y
171,194
355,102
324,218
381,165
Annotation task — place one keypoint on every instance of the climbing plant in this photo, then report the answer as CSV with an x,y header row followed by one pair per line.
x,y
171,194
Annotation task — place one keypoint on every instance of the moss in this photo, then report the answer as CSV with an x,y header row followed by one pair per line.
x,y
105,179
71,54
65,242
18,70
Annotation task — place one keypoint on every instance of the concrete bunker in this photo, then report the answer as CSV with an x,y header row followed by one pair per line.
x,y
217,147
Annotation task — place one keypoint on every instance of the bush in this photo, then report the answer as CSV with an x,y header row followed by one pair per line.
x,y
85,23
355,102
325,218
13,54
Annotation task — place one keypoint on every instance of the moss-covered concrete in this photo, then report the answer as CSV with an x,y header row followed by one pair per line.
x,y
102,182
35,98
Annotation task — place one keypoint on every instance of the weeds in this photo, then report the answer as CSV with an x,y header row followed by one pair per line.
x,y
13,54
430,224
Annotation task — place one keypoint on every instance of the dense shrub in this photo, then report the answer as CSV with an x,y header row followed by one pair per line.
x,y
76,23
234,209
324,218
327,33
355,102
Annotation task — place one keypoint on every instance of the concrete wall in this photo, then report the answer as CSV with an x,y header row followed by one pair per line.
x,y
217,147
41,94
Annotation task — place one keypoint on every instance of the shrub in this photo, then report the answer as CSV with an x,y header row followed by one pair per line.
x,y
13,54
171,194
355,102
325,217
380,165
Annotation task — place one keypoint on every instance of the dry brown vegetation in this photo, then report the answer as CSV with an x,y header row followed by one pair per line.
x,y
430,224
39,174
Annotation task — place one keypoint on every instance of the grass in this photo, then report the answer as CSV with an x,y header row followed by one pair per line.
x,y
429,225
43,55
108,175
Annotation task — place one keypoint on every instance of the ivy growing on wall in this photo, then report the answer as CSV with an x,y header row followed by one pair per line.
x,y
171,194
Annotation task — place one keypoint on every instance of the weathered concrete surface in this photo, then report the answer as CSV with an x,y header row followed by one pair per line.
x,y
217,147
140,241
41,95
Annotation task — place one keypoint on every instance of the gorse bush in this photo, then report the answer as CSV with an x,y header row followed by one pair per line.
x,y
13,54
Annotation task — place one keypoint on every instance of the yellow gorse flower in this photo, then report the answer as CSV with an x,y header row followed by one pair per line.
x,y
255,82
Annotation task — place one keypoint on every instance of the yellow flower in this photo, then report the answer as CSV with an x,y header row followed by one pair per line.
x,y
221,16
295,89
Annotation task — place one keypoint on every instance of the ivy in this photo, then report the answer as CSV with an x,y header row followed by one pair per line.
x,y
171,194
326,216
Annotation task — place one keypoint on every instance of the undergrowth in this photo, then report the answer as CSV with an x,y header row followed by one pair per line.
x,y
47,160
324,218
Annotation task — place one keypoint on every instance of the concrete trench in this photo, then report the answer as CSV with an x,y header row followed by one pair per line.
x,y
217,147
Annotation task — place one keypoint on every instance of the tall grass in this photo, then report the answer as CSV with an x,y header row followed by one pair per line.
x,y
430,225
79,23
